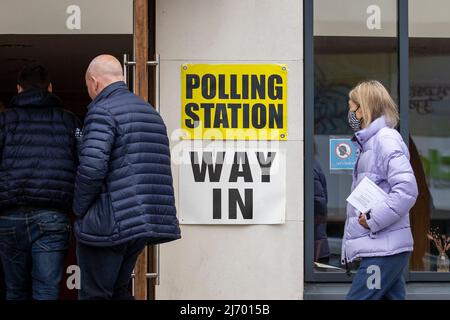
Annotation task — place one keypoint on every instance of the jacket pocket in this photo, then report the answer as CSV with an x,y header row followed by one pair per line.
x,y
8,244
54,236
355,230
99,219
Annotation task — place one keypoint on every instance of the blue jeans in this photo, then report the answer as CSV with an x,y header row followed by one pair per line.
x,y
33,246
106,271
380,278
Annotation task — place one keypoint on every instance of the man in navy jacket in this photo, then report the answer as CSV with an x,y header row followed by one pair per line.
x,y
38,159
124,196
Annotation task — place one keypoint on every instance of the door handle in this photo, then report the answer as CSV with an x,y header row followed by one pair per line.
x,y
127,63
156,63
152,275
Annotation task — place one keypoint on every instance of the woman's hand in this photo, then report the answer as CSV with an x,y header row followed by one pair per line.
x,y
363,220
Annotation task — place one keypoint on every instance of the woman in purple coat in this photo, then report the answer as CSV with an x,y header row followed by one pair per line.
x,y
380,239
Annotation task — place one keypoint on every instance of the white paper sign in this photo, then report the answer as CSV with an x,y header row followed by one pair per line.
x,y
366,195
232,186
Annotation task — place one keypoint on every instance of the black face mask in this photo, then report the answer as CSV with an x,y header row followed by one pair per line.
x,y
353,121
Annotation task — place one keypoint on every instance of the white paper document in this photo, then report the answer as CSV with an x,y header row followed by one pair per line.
x,y
326,266
366,195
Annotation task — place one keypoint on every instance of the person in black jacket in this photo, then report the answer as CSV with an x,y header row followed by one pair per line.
x,y
321,246
124,195
38,159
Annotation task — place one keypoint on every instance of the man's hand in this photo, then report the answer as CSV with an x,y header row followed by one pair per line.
x,y
363,220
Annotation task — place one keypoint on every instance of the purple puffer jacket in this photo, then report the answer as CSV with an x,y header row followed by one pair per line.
x,y
383,158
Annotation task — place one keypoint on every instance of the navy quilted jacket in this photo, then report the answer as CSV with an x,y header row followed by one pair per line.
x,y
321,246
123,188
38,152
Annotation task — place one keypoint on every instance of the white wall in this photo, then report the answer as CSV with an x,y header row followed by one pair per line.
x,y
235,262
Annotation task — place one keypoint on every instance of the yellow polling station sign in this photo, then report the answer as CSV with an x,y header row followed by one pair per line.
x,y
234,101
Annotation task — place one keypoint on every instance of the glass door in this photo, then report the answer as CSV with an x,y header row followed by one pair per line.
x,y
65,35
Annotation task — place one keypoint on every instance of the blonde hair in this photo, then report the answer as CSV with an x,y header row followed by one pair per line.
x,y
374,100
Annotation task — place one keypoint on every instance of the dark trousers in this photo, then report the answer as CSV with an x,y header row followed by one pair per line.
x,y
390,284
106,271
33,246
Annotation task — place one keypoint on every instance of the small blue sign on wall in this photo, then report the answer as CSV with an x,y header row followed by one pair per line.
x,y
343,154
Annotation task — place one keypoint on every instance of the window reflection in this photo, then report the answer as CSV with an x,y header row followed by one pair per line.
x,y
351,46
340,63
429,116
